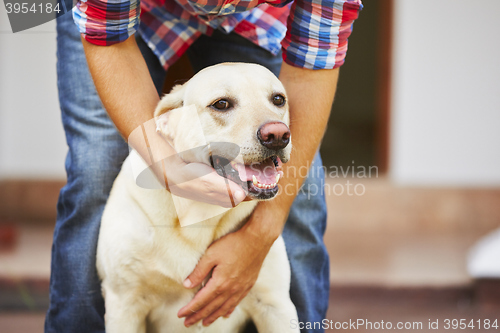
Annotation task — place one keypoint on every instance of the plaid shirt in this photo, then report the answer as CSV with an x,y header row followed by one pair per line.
x,y
312,33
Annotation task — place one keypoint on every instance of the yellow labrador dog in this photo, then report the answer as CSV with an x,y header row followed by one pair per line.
x,y
144,254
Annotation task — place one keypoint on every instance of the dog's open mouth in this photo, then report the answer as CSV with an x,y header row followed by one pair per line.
x,y
261,178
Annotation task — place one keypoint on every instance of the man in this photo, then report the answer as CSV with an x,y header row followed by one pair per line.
x,y
124,77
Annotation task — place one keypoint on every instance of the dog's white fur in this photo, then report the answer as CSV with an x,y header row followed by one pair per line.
x,y
144,255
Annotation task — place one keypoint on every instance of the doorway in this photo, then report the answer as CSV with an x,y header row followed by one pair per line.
x,y
357,133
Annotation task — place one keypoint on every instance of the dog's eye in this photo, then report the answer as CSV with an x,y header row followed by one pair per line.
x,y
221,104
279,100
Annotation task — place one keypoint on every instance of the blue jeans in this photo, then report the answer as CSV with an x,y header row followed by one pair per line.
x,y
96,152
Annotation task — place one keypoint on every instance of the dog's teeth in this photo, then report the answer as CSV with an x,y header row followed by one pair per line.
x,y
277,178
254,179
233,164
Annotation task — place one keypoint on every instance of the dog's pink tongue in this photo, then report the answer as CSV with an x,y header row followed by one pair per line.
x,y
265,172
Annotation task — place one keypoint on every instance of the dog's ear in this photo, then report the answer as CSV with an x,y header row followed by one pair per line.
x,y
173,100
165,120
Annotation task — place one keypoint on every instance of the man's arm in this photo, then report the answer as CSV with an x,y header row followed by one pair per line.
x,y
129,96
123,83
236,258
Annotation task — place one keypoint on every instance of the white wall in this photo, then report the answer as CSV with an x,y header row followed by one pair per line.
x,y
446,93
32,143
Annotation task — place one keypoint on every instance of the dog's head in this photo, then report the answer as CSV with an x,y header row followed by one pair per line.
x,y
244,105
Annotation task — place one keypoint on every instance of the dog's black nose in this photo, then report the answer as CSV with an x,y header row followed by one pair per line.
x,y
274,135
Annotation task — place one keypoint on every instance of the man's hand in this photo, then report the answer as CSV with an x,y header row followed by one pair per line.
x,y
236,260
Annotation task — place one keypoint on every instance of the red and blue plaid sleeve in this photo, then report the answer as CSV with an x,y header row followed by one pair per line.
x,y
107,22
317,32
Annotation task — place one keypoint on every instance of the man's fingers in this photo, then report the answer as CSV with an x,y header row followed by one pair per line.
x,y
211,291
226,308
208,187
241,296
223,189
235,193
206,311
226,189
199,273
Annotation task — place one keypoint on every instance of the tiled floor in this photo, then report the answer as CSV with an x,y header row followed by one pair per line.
x,y
361,258
22,322
29,257
410,308
356,258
